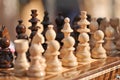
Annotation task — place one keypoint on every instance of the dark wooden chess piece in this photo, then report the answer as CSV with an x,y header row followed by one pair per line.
x,y
20,30
75,26
34,28
59,22
6,56
45,21
45,24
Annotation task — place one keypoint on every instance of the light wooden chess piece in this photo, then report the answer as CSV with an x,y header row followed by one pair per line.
x,y
53,63
93,28
21,63
66,31
69,58
83,23
98,52
50,33
83,54
51,54
109,45
37,65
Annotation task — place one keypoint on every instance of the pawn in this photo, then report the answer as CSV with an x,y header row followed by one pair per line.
x,y
109,45
82,52
69,59
53,63
37,67
98,52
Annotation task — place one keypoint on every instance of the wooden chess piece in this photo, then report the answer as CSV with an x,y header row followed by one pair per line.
x,y
51,54
69,59
37,65
45,21
118,40
98,52
34,28
103,24
21,64
114,22
83,23
20,30
50,33
66,31
82,53
6,56
21,34
93,28
109,45
59,22
53,63
75,26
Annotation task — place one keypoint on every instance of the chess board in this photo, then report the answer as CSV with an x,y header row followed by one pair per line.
x,y
97,70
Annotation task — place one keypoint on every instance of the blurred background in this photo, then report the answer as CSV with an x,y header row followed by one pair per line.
x,y
12,10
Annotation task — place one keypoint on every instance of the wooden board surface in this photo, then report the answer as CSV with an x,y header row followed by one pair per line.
x,y
82,72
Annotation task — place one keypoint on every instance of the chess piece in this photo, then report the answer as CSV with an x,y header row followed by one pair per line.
x,y
98,52
50,33
114,22
21,34
103,24
6,56
83,23
53,63
109,45
21,64
59,22
82,53
45,22
66,31
99,20
34,28
118,40
37,65
75,26
93,27
51,54
21,29
69,58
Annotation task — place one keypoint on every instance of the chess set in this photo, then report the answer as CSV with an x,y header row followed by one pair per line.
x,y
50,52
